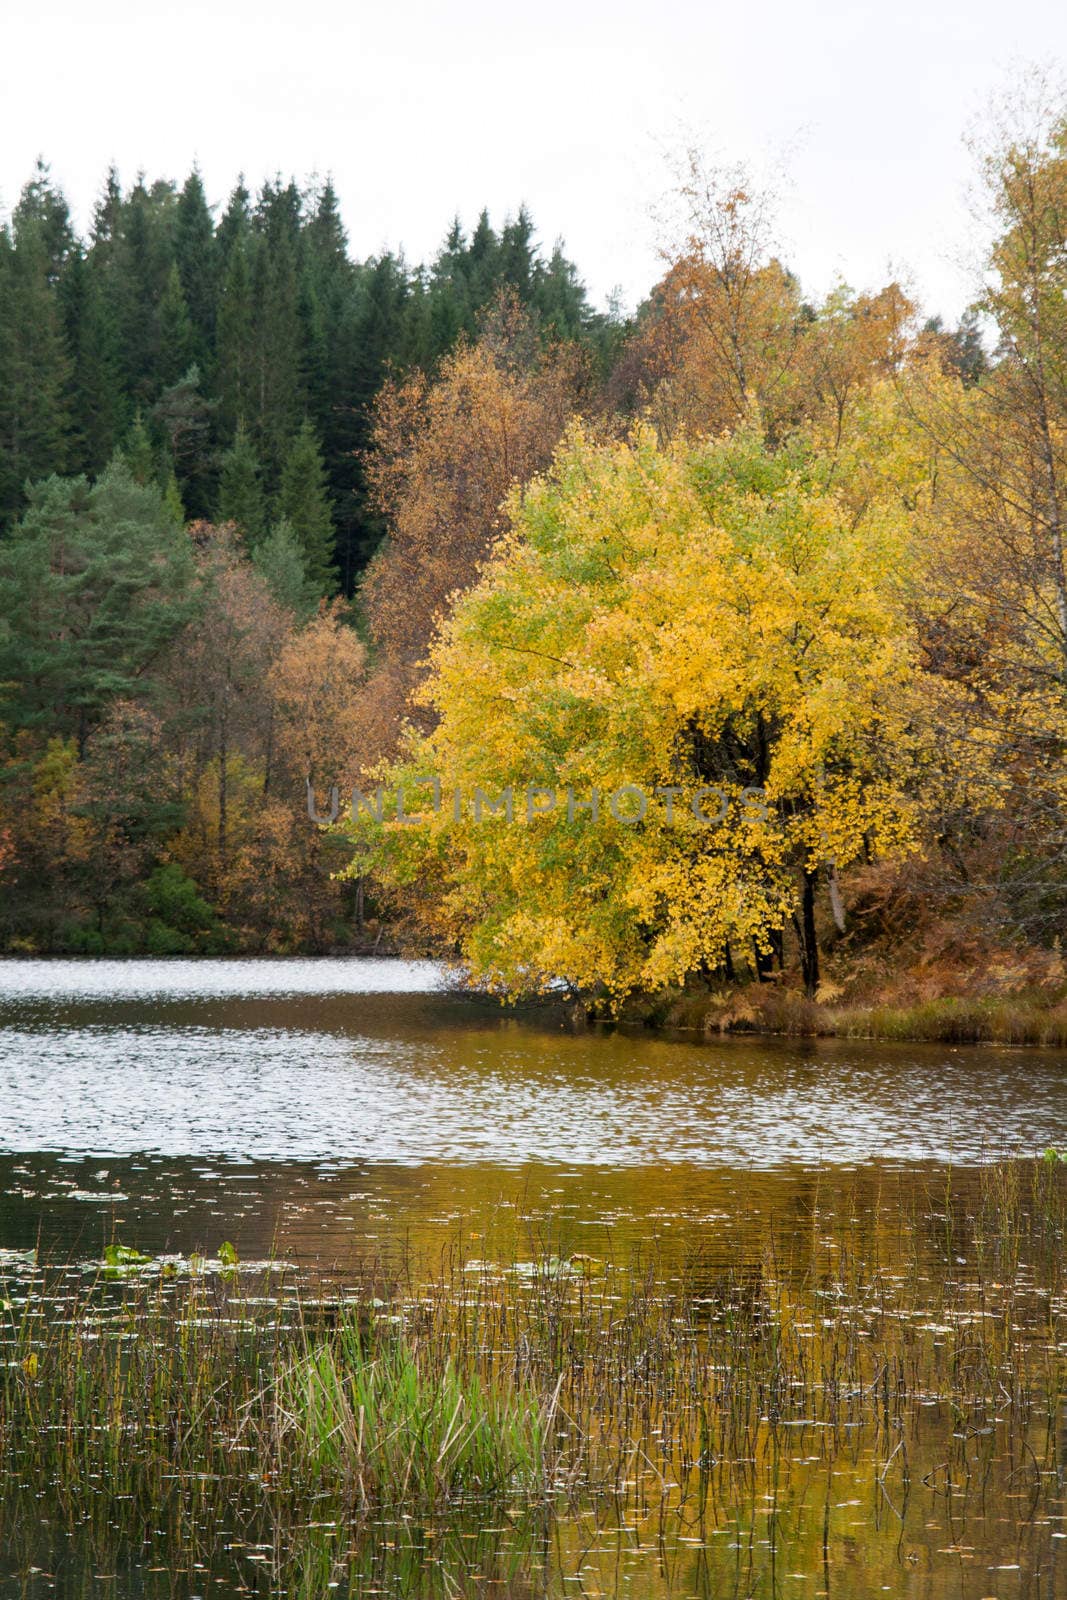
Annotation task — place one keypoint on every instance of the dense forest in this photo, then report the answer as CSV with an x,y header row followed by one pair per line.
x,y
186,410
235,360
269,514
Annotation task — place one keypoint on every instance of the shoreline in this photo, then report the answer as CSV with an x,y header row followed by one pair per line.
x,y
1034,1019
1023,1021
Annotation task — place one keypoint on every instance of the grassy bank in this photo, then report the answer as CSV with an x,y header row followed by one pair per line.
x,y
1037,1019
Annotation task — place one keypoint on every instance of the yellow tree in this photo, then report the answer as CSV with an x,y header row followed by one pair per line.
x,y
993,593
1004,440
853,344
715,643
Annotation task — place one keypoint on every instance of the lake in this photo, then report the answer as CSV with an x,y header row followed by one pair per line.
x,y
362,1121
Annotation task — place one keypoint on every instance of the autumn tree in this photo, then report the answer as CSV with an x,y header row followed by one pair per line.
x,y
728,339
707,627
446,455
314,684
720,339
127,802
1025,397
992,598
217,673
853,343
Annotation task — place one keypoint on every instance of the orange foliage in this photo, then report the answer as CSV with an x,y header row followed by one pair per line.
x,y
446,454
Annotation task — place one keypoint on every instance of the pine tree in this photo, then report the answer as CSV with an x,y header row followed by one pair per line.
x,y
236,221
279,394
330,300
445,300
236,354
139,455
172,497
324,234
559,295
42,207
34,366
326,294
186,417
482,267
114,564
518,254
196,256
304,502
107,218
279,561
97,402
378,332
139,279
241,497
176,338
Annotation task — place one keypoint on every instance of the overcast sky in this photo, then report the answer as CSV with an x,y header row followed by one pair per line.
x,y
422,110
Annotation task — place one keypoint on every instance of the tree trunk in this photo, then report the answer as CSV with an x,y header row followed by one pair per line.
x,y
835,898
224,751
809,948
764,962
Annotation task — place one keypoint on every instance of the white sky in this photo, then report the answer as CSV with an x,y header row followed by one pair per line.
x,y
420,110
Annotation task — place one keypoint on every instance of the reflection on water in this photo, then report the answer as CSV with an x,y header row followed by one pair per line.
x,y
344,1114
59,982
797,1523
112,1064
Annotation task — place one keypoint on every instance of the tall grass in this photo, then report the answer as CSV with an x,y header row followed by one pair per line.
x,y
958,1021
387,1424
1021,1020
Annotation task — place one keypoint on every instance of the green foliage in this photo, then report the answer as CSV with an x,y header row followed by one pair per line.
x,y
98,404
303,502
113,563
139,454
185,418
196,258
409,1423
180,921
266,304
172,497
175,329
120,1257
234,324
34,364
241,497
279,560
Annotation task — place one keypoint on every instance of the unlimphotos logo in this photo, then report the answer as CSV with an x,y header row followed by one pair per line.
x,y
628,804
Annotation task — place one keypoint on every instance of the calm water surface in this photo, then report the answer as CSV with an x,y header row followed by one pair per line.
x,y
332,1108
346,1114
